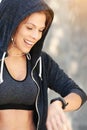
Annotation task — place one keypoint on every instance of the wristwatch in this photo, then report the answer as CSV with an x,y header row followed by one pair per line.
x,y
64,103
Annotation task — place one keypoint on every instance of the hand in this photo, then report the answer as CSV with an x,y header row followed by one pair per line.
x,y
56,118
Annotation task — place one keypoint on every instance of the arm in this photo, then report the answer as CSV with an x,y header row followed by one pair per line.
x,y
68,89
61,83
73,104
70,103
56,118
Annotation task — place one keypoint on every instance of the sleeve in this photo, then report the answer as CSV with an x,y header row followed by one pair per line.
x,y
60,82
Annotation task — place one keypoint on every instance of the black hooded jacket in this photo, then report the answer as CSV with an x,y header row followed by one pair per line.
x,y
12,13
45,71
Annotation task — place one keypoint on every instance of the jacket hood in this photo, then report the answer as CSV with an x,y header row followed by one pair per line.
x,y
12,12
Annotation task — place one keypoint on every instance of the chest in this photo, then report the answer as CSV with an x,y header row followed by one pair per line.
x,y
14,91
17,69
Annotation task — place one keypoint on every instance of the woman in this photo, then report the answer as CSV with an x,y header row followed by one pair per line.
x,y
27,72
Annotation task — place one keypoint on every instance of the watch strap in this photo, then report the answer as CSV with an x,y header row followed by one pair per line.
x,y
64,103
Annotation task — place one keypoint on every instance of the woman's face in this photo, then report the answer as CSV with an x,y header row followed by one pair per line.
x,y
29,32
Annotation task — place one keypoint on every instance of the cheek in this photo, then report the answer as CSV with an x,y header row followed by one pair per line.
x,y
18,36
20,32
18,40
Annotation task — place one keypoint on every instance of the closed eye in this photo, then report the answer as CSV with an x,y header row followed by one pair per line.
x,y
29,28
41,30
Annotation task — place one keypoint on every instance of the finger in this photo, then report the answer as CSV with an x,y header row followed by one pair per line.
x,y
49,125
63,122
65,127
68,125
59,123
56,123
52,124
62,117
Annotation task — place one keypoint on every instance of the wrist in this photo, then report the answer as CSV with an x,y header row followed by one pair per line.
x,y
57,103
60,101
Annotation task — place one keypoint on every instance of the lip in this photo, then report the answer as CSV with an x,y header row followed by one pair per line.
x,y
29,43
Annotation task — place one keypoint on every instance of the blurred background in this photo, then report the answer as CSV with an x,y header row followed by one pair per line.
x,y
67,44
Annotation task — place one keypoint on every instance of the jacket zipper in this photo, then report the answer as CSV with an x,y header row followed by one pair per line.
x,y
37,95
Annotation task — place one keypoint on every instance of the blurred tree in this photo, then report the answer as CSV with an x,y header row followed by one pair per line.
x,y
67,44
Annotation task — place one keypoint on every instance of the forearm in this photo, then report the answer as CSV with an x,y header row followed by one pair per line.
x,y
74,102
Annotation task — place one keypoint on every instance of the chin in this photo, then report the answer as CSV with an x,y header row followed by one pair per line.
x,y
26,52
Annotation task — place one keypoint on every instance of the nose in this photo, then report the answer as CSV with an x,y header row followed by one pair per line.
x,y
35,34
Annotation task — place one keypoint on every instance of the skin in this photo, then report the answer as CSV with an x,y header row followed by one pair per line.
x,y
26,36
56,119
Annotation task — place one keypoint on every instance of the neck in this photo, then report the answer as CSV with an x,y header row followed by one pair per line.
x,y
16,54
14,51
